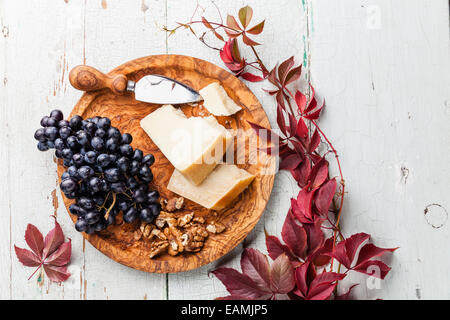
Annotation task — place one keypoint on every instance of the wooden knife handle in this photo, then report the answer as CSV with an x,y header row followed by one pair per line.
x,y
86,78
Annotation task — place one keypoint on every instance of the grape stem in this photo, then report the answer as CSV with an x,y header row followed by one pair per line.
x,y
112,206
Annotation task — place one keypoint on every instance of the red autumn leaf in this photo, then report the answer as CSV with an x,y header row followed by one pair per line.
x,y
238,284
282,275
34,240
232,23
292,125
275,248
311,286
255,265
302,173
294,236
56,273
281,120
303,205
302,129
206,23
314,115
249,41
257,29
53,240
293,75
27,258
314,142
324,196
284,68
312,102
315,234
245,15
345,253
321,256
290,162
251,77
319,173
52,253
300,100
61,256
218,36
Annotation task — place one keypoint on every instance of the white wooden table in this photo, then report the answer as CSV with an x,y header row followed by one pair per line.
x,y
383,66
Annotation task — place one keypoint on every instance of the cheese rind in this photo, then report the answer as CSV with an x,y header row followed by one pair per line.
x,y
193,145
221,187
217,101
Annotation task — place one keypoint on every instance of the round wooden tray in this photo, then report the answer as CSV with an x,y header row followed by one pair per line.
x,y
117,242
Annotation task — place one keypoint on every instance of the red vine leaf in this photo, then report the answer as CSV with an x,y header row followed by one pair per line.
x,y
52,252
34,239
300,100
56,273
255,265
238,284
245,15
314,142
232,23
206,23
284,68
275,248
251,77
249,41
302,129
345,253
53,240
294,236
282,275
319,173
324,196
27,258
293,75
257,29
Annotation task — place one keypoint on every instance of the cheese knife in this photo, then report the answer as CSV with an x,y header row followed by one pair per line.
x,y
151,88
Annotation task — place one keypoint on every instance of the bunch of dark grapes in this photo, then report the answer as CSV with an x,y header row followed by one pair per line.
x,y
104,174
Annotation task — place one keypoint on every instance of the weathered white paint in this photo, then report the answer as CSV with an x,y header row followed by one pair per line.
x,y
382,65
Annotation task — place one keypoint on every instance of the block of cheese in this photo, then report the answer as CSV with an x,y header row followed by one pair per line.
x,y
222,185
193,145
217,101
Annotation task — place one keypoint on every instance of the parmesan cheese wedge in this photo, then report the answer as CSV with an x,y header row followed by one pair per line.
x,y
217,101
221,187
193,145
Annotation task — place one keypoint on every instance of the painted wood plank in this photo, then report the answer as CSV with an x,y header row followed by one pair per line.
x,y
383,67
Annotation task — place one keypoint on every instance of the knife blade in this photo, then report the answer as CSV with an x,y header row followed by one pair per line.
x,y
162,90
151,88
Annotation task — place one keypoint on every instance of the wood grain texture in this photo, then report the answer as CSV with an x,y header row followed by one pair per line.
x,y
87,78
125,113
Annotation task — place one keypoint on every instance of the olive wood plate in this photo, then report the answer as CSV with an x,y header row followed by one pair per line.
x,y
117,242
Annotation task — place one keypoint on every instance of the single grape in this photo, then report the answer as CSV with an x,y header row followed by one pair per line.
x,y
131,215
113,158
145,171
90,230
52,122
149,159
104,123
126,138
123,164
132,183
86,172
95,184
68,185
97,143
104,185
73,172
81,225
75,122
111,219
113,133
86,203
100,225
100,133
50,144
65,132
111,145
103,160
90,157
134,167
126,150
65,175
146,215
58,154
42,146
152,196
78,159
92,217
123,205
57,114
51,133
139,196
44,121
138,155
59,144
112,174
74,209
67,154
39,135
72,143
90,128
63,123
